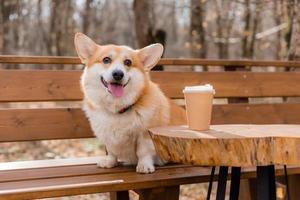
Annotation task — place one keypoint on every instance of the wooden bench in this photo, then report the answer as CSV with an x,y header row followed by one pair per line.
x,y
74,176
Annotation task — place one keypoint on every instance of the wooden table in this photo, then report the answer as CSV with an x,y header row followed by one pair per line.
x,y
236,146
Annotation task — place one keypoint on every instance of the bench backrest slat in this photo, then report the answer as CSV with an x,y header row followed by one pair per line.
x,y
43,85
63,123
232,84
39,124
39,85
14,59
279,113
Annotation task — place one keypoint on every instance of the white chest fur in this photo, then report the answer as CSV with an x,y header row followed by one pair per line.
x,y
119,132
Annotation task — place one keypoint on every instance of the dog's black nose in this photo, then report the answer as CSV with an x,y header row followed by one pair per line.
x,y
117,75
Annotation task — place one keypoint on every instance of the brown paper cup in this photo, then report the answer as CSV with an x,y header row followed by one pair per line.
x,y
198,109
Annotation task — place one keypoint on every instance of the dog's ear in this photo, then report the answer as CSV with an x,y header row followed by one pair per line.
x,y
150,55
85,47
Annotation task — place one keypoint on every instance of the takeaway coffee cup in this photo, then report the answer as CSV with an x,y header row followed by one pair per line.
x,y
198,100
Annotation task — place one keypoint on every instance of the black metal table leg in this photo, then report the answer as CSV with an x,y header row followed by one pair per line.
x,y
266,187
222,183
235,183
211,180
287,183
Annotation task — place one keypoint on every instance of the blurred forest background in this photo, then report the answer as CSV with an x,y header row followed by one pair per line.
x,y
233,29
225,29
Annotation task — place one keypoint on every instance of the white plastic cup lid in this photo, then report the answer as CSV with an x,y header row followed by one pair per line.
x,y
199,89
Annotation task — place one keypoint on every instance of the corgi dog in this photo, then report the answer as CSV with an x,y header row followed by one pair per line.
x,y
121,102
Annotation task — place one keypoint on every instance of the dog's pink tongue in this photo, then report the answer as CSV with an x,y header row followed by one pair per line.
x,y
116,90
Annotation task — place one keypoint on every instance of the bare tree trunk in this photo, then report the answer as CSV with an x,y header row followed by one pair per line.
x,y
229,26
60,26
251,50
86,16
145,32
7,8
197,30
143,27
251,25
44,35
10,36
292,37
224,23
52,29
246,29
16,25
277,17
68,28
55,24
1,27
291,16
173,36
219,22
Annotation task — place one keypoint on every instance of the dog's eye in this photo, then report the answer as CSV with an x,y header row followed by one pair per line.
x,y
127,62
106,60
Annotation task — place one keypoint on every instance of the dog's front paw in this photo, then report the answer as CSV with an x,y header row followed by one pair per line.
x,y
145,168
107,162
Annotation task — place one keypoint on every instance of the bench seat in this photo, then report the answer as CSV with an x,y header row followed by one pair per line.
x,y
74,176
63,177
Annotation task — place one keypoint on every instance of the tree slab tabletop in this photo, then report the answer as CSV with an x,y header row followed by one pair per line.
x,y
229,145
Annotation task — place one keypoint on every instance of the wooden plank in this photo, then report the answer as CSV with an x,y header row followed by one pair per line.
x,y
32,164
59,171
39,59
225,62
38,124
52,187
161,193
178,114
294,182
39,85
164,61
47,183
67,168
64,123
241,145
231,84
283,113
46,85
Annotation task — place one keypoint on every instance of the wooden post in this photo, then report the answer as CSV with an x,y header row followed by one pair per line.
x,y
294,182
248,189
120,195
162,193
